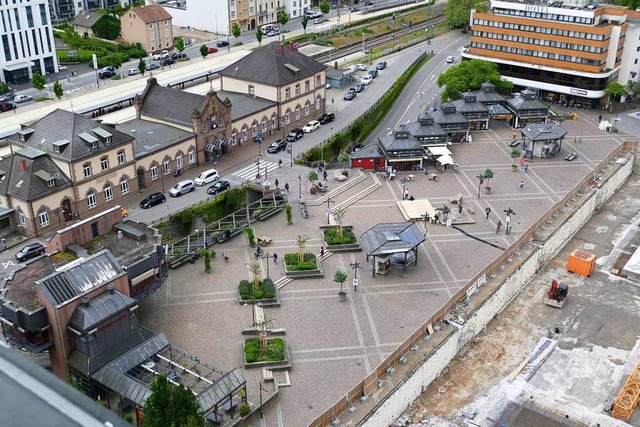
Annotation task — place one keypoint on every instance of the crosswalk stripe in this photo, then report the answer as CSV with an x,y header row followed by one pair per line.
x,y
249,172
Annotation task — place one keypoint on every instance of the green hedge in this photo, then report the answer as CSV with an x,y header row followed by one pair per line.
x,y
274,353
266,290
309,263
360,129
331,237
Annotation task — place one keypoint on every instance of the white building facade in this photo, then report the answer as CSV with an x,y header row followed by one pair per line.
x,y
208,15
27,41
630,64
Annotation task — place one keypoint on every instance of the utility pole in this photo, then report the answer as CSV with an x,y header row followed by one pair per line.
x,y
261,390
329,208
509,212
267,257
355,266
480,181
426,217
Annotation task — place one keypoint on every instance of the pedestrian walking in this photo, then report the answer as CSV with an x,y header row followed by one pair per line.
x,y
522,162
275,258
521,186
498,225
580,139
488,211
514,134
460,208
277,182
280,163
406,194
286,186
321,250
526,168
319,167
599,118
355,286
324,175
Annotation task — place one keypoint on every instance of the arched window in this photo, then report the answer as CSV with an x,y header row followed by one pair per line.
x,y
43,216
108,192
124,185
91,199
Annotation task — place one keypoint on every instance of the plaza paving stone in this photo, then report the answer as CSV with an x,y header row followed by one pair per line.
x,y
335,344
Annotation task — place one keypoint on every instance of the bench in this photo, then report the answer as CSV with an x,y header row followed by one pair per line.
x,y
264,240
338,176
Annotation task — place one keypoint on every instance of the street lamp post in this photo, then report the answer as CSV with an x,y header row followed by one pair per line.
x,y
509,212
216,27
261,390
425,217
404,189
300,185
329,201
480,181
267,257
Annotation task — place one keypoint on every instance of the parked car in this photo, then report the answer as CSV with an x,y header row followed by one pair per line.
x,y
318,20
277,146
7,106
222,43
450,59
107,73
31,250
152,200
373,73
295,135
160,55
311,126
369,3
151,66
182,187
354,9
350,95
63,68
361,67
8,97
272,32
381,65
179,55
21,99
366,80
133,71
326,118
212,50
357,148
359,87
207,177
167,61
218,187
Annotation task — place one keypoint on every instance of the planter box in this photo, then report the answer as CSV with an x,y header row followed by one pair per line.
x,y
346,247
278,364
299,274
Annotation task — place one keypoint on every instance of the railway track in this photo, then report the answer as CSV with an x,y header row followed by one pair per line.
x,y
379,41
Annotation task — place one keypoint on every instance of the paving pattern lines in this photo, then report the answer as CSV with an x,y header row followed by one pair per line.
x,y
249,173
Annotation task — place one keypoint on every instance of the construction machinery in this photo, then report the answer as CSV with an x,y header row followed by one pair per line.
x,y
557,294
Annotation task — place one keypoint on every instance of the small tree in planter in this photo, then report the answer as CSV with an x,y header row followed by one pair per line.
x,y
312,177
206,256
262,332
344,160
338,216
515,153
301,241
255,269
340,277
488,175
250,236
287,210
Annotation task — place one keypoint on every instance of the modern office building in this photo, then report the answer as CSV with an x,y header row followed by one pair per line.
x,y
62,10
568,51
27,41
630,66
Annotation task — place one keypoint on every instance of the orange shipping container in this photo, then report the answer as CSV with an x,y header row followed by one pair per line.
x,y
581,262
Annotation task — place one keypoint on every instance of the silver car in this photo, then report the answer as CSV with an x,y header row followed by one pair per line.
x,y
182,187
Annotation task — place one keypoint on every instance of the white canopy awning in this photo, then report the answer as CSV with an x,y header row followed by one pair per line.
x,y
13,66
439,151
446,159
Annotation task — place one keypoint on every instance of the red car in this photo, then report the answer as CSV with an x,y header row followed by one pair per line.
x,y
212,50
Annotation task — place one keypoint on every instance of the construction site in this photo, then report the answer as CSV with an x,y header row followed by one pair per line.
x,y
564,350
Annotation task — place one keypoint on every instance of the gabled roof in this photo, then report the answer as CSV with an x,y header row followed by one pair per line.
x,y
171,105
87,19
273,66
88,315
151,13
390,238
28,173
79,277
543,131
419,130
526,100
60,126
244,104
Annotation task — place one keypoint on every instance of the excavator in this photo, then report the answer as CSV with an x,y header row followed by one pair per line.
x,y
557,294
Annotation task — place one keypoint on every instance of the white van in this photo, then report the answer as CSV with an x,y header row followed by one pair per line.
x,y
206,177
269,28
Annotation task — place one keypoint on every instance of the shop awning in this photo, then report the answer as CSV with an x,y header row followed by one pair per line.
x,y
439,151
405,159
446,159
17,65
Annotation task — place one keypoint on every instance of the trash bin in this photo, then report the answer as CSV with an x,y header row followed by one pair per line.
x,y
3,244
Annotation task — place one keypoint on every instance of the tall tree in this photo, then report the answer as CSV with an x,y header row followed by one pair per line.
x,y
615,90
204,51
469,75
58,90
458,12
283,17
259,36
325,7
38,81
305,21
142,66
236,31
4,88
170,405
178,43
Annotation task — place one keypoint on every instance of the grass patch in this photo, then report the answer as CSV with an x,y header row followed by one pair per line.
x,y
265,290
309,263
331,237
274,353
63,257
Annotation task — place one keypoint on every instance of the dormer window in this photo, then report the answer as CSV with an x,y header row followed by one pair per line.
x,y
59,146
252,90
91,140
104,135
51,183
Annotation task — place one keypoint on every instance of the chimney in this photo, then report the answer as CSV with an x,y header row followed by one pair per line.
x,y
85,300
23,165
111,288
281,48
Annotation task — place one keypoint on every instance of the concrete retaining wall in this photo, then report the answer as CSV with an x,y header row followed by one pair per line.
x,y
396,403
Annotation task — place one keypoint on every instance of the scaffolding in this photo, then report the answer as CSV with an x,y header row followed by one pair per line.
x,y
628,397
